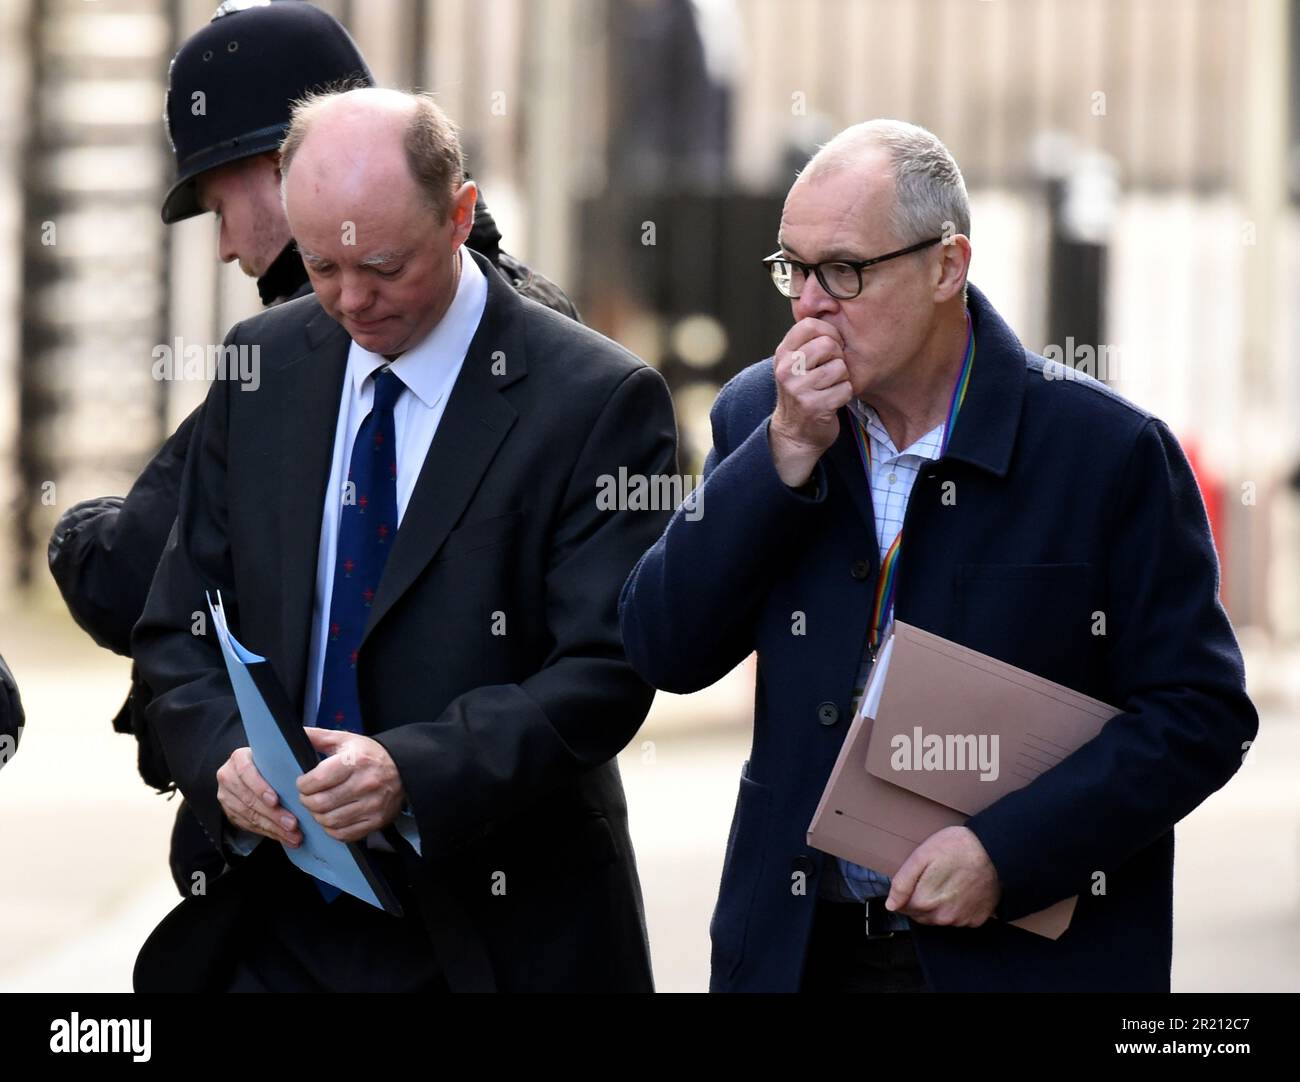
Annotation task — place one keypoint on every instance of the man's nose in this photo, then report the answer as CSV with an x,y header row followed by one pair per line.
x,y
813,300
355,294
226,250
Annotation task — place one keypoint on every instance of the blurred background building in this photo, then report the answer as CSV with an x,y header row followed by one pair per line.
x,y
1134,167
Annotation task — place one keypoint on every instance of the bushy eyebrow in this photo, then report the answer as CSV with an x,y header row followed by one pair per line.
x,y
380,258
840,255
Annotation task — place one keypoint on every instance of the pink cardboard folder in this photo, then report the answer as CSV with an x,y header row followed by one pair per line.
x,y
942,732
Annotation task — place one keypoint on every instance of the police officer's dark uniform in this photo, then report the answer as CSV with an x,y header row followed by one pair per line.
x,y
248,65
11,713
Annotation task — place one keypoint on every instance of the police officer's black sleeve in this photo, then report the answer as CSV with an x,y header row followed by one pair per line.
x,y
103,552
528,283
485,238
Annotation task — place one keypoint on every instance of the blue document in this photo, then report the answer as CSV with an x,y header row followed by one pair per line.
x,y
282,753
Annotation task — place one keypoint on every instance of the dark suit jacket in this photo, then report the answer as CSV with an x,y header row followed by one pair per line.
x,y
1069,501
505,742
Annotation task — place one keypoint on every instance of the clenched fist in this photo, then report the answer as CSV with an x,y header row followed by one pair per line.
x,y
812,383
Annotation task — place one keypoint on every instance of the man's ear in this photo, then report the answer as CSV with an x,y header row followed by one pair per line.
x,y
462,212
953,267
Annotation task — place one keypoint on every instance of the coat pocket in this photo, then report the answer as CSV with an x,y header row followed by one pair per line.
x,y
742,867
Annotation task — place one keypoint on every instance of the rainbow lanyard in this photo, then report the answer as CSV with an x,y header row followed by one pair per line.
x,y
887,579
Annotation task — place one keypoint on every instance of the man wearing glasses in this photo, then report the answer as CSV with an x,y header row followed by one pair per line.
x,y
902,453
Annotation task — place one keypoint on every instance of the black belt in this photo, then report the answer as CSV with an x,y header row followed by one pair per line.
x,y
860,921
875,924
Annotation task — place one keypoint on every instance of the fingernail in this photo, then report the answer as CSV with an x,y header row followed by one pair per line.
x,y
286,821
269,797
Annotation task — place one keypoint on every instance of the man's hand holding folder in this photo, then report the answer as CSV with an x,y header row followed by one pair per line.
x,y
948,879
325,808
942,732
354,791
251,804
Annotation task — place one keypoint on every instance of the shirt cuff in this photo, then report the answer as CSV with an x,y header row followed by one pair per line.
x,y
241,841
408,829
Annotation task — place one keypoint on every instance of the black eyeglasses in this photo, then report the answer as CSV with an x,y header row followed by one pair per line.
x,y
841,279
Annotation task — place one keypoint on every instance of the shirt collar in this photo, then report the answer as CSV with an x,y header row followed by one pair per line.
x,y
926,446
426,366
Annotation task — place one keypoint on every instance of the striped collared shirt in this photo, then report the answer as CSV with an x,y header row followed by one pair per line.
x,y
893,473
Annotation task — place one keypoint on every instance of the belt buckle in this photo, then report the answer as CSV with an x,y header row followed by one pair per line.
x,y
876,914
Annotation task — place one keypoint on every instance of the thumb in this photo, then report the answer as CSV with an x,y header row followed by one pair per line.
x,y
326,741
904,883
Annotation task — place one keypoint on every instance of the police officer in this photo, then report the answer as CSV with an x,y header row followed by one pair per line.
x,y
229,93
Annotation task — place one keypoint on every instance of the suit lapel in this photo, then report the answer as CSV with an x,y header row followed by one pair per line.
x,y
313,385
471,430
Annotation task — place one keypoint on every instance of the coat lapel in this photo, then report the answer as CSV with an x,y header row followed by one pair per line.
x,y
985,432
313,385
471,430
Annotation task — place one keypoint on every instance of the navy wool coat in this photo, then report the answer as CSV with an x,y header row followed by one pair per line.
x,y
1066,501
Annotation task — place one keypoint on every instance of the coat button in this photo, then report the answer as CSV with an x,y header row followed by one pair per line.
x,y
803,863
861,570
828,713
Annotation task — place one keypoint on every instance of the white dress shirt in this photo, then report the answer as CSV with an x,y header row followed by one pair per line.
x,y
893,473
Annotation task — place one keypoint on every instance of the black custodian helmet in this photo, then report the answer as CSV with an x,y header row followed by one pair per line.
x,y
231,86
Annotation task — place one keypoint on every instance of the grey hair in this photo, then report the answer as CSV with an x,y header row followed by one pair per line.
x,y
930,197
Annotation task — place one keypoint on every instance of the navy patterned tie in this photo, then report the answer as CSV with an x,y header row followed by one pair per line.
x,y
367,527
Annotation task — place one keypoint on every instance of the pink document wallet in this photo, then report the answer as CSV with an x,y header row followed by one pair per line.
x,y
943,731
